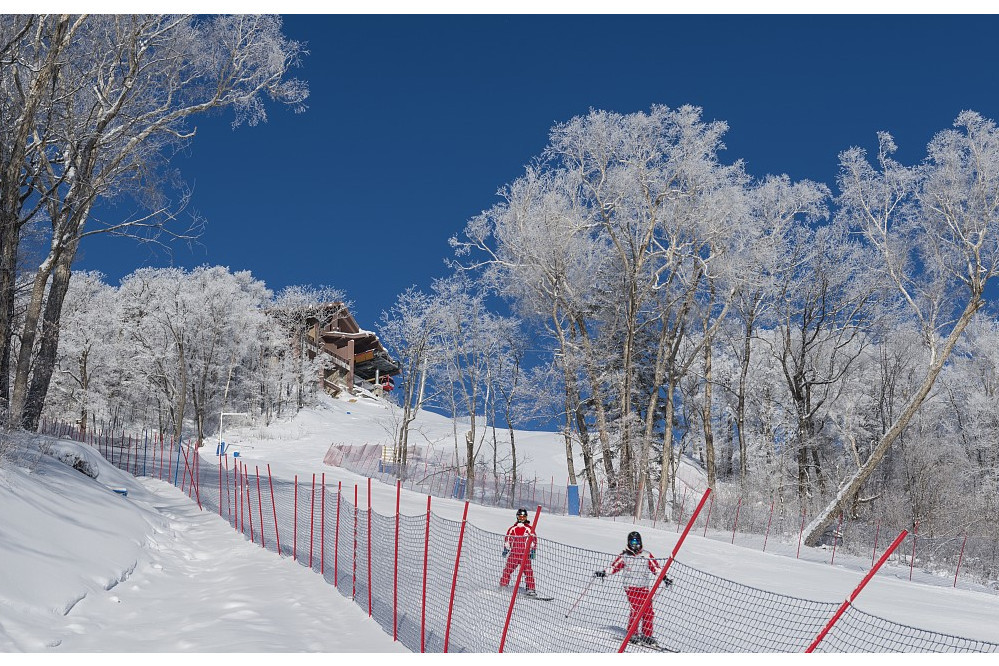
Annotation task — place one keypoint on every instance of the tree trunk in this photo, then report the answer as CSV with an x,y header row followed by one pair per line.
x,y
852,487
44,365
29,330
709,439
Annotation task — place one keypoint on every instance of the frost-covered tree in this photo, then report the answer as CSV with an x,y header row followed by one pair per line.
x,y
935,227
189,330
408,330
106,100
88,374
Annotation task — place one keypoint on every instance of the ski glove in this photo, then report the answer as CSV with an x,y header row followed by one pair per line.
x,y
667,582
506,551
600,574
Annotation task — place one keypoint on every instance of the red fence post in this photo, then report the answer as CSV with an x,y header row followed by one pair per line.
x,y
294,536
353,592
312,518
228,501
322,526
662,574
423,608
842,608
336,538
768,526
274,507
249,503
912,560
369,546
260,505
238,486
454,578
395,569
959,558
220,486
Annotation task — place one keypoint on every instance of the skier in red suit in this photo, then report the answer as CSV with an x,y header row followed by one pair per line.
x,y
639,568
520,539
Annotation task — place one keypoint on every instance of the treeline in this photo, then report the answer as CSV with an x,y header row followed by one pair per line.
x,y
171,349
825,347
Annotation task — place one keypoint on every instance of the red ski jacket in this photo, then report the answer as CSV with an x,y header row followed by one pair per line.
x,y
519,537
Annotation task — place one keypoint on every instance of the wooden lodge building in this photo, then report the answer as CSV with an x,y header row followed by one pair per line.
x,y
354,357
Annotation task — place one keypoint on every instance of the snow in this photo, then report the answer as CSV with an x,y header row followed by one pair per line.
x,y
86,570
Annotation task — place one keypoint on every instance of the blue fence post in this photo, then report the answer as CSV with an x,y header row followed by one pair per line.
x,y
573,499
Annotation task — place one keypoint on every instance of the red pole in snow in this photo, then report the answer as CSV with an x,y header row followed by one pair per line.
x,y
395,569
312,518
454,578
294,534
260,505
423,608
353,592
322,527
239,495
912,560
842,608
768,526
274,507
249,503
336,536
227,497
369,546
959,558
647,603
195,482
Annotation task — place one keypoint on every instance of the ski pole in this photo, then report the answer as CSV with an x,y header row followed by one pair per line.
x,y
587,589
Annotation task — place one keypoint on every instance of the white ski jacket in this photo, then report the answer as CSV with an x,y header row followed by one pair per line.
x,y
637,569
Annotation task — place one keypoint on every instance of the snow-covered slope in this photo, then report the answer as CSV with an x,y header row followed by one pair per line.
x,y
85,569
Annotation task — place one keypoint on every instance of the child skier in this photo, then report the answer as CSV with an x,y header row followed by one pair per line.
x,y
519,539
640,568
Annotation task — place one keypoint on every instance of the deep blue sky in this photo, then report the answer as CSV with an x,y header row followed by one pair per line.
x,y
414,122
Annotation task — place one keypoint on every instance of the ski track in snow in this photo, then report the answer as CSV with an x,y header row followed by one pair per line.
x,y
212,588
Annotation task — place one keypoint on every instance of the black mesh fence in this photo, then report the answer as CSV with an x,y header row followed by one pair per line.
x,y
408,574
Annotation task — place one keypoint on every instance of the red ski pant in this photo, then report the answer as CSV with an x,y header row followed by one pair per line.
x,y
511,564
637,596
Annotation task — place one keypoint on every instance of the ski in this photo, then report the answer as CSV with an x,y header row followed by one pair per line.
x,y
520,595
616,634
